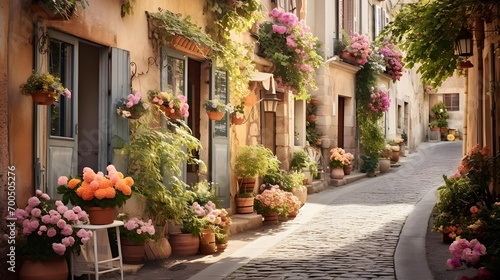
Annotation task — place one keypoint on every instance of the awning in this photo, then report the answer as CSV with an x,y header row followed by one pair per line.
x,y
267,80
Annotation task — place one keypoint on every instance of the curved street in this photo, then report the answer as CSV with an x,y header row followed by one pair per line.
x,y
348,232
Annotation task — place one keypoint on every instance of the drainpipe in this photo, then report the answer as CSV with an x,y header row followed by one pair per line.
x,y
479,35
466,106
493,90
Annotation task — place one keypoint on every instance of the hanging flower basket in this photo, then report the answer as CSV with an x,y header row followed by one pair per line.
x,y
42,98
216,116
236,121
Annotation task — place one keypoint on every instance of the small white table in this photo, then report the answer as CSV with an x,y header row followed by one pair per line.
x,y
97,272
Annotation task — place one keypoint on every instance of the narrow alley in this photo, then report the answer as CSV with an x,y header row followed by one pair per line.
x,y
349,232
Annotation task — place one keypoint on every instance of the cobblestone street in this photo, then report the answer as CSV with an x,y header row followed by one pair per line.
x,y
355,235
348,232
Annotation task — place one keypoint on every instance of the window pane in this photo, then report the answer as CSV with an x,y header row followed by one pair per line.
x,y
451,101
221,128
61,65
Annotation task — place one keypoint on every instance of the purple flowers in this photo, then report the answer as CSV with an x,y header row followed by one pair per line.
x,y
392,59
380,101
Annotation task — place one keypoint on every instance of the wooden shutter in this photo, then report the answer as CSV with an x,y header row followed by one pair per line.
x,y
118,127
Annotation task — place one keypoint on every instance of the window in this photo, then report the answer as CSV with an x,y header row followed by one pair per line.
x,y
61,65
288,6
451,101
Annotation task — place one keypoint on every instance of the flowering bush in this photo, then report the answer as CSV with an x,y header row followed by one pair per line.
x,y
96,189
44,82
214,106
206,216
348,158
379,102
169,102
292,48
292,203
272,199
393,60
359,48
132,106
465,252
137,231
46,228
337,158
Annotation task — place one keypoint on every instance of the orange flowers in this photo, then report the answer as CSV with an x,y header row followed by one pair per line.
x,y
97,189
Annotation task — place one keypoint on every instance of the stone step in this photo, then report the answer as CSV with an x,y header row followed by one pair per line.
x,y
244,222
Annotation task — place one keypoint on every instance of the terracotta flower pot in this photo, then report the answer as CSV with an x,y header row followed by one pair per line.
x,y
236,121
132,253
270,218
42,98
216,116
337,173
244,205
207,242
53,269
100,216
184,244
347,169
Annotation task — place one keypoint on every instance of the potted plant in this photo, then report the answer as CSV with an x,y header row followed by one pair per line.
x,y
293,50
393,60
238,114
301,162
215,109
131,107
348,159
174,106
357,48
336,163
271,203
253,161
57,10
134,234
44,88
434,125
369,165
442,116
46,236
99,194
181,34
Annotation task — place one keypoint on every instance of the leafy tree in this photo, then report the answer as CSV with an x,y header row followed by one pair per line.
x,y
426,31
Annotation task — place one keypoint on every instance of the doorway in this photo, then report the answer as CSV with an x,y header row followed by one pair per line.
x,y
341,122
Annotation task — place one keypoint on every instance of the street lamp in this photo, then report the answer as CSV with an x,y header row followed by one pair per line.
x,y
463,42
270,102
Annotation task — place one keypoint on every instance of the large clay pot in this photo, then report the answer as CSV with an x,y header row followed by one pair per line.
x,y
53,269
207,242
384,165
132,253
184,244
247,185
270,218
395,157
244,205
100,216
347,169
301,194
337,173
159,249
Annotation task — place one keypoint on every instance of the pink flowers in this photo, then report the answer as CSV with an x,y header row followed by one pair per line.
x,y
359,48
272,199
339,158
131,106
380,101
137,230
289,44
48,227
465,252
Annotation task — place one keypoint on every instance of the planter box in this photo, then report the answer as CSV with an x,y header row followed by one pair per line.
x,y
185,45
